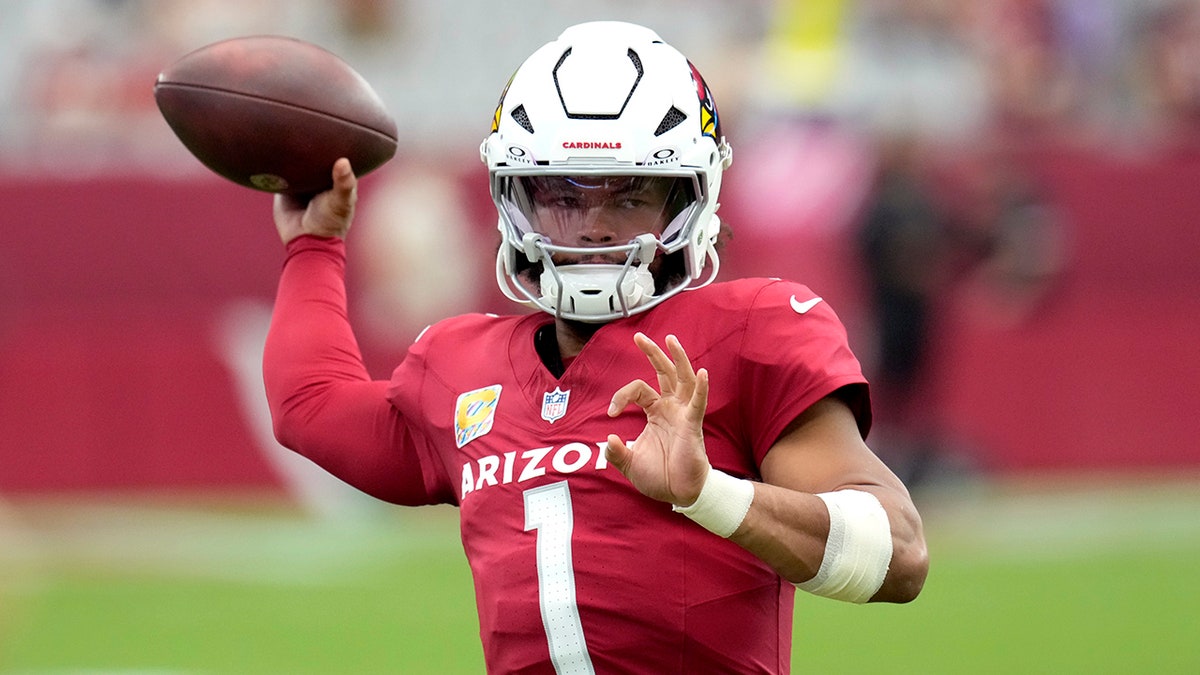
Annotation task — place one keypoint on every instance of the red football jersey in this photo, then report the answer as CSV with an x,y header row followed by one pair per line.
x,y
574,570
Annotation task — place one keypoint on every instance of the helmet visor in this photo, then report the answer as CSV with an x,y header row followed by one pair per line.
x,y
581,211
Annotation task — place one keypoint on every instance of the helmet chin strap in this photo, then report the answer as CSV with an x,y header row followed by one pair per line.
x,y
590,292
506,283
714,264
597,290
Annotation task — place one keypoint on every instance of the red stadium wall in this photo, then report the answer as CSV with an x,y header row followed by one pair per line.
x,y
1106,374
111,289
113,293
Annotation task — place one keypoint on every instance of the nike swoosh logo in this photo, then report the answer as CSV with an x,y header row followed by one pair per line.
x,y
803,307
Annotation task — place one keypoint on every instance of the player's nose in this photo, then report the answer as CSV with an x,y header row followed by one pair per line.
x,y
599,229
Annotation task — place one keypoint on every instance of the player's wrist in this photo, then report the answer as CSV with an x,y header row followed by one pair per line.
x,y
722,504
312,242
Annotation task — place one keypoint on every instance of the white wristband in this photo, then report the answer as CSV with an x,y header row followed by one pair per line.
x,y
858,550
722,504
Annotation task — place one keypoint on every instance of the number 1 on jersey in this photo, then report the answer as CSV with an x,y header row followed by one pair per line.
x,y
548,510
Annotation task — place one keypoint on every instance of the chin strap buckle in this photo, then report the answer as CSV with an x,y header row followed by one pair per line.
x,y
647,246
530,244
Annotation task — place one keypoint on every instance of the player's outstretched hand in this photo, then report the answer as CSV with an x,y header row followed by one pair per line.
x,y
328,214
667,461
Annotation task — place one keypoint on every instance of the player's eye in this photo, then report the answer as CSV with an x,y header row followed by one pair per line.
x,y
566,201
631,203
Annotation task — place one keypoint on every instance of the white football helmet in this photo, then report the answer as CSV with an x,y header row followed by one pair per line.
x,y
605,158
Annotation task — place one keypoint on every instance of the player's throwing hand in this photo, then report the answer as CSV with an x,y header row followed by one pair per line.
x,y
328,214
667,461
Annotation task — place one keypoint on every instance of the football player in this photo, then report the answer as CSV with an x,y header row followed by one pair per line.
x,y
647,468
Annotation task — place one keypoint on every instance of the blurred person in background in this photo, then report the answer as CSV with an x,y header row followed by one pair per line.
x,y
932,233
930,199
897,84
903,242
618,513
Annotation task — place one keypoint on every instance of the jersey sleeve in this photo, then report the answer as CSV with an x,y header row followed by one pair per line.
x,y
323,403
795,352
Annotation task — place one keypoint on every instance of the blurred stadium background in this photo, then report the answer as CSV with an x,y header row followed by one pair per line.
x,y
1020,174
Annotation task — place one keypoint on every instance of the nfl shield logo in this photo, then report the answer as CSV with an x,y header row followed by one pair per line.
x,y
554,404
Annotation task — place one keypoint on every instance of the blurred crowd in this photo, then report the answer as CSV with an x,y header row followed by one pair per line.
x,y
80,72
77,73
899,126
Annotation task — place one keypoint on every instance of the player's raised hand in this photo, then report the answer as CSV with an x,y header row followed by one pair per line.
x,y
667,461
329,214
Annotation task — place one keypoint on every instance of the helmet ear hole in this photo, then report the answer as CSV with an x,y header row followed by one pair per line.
x,y
672,119
522,118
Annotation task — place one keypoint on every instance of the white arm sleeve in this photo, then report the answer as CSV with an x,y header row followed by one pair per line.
x,y
858,550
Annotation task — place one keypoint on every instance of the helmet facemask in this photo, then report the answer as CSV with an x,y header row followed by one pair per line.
x,y
595,247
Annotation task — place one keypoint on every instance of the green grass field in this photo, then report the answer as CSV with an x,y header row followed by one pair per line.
x,y
1097,579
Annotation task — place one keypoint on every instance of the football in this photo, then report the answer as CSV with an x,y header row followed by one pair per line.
x,y
273,113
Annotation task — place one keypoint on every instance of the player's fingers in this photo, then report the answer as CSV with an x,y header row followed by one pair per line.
x,y
331,213
684,375
636,392
345,189
343,175
699,402
617,453
659,360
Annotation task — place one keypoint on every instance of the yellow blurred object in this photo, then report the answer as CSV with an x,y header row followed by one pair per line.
x,y
803,50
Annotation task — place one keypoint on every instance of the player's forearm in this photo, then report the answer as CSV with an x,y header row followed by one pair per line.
x,y
323,403
789,531
310,349
785,529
